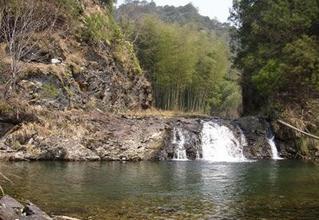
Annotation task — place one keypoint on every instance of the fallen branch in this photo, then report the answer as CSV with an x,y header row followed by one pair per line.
x,y
297,129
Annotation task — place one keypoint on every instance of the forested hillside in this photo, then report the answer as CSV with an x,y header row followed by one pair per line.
x,y
186,57
134,9
277,49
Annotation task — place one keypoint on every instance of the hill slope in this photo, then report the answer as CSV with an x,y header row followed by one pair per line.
x,y
62,78
182,15
79,60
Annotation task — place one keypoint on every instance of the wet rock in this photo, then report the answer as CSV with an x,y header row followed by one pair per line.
x,y
190,129
91,136
33,212
255,130
286,142
10,209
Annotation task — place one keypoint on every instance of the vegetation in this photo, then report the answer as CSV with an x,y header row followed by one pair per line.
x,y
71,7
188,66
49,90
277,48
183,15
97,28
20,22
100,28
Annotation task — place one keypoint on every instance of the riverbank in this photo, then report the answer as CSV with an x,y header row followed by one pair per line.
x,y
77,135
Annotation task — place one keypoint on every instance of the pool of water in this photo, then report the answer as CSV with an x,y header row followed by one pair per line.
x,y
175,190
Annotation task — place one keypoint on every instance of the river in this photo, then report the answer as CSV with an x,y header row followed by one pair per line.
x,y
171,189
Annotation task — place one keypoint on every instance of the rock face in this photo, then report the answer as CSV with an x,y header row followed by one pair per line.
x,y
190,129
86,136
256,132
11,209
97,81
90,136
68,94
68,70
286,141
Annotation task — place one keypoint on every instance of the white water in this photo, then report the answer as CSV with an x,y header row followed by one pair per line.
x,y
179,140
274,151
243,140
220,145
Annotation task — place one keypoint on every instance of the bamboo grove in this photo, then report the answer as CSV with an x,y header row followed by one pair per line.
x,y
188,66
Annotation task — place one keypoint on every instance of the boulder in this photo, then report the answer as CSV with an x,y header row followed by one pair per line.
x,y
11,209
33,212
190,129
256,131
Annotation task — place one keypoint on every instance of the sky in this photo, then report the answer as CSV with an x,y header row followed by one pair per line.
x,y
218,9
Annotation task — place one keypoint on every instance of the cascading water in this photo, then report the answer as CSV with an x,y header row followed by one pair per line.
x,y
179,141
274,151
243,140
219,144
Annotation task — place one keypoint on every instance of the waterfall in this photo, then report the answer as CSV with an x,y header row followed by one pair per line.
x,y
179,141
274,151
219,144
243,140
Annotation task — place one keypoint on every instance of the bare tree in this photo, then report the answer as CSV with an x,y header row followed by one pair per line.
x,y
21,22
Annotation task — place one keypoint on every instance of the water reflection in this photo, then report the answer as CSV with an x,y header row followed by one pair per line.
x,y
176,190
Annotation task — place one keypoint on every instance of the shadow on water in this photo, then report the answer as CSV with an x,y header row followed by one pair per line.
x,y
177,190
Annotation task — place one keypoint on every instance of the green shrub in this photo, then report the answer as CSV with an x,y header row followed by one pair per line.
x,y
49,91
98,28
125,54
71,7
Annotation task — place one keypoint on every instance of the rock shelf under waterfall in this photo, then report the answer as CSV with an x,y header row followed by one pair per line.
x,y
218,140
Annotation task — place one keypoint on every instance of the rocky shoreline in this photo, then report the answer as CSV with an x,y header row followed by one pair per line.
x,y
11,209
97,136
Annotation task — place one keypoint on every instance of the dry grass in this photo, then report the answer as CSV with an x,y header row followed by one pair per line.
x,y
294,118
164,114
67,124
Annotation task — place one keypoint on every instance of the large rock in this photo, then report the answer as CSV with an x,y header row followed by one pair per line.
x,y
95,80
11,209
33,212
256,131
190,129
286,140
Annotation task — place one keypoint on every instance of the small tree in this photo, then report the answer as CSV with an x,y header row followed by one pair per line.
x,y
21,21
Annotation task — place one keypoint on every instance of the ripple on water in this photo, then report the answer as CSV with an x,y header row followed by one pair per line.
x,y
192,190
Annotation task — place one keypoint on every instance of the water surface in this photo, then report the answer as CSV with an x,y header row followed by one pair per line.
x,y
175,190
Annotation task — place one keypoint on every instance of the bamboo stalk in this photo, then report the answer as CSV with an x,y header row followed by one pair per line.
x,y
297,129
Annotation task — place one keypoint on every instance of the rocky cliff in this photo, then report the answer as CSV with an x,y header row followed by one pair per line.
x,y
73,77
73,65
